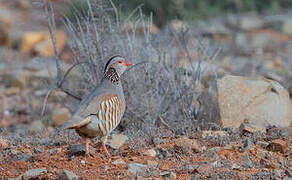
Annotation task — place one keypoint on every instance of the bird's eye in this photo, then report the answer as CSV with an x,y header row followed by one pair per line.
x,y
120,62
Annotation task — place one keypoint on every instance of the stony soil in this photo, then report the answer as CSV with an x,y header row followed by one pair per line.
x,y
205,156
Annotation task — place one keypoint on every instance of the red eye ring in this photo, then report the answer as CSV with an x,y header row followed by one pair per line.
x,y
120,62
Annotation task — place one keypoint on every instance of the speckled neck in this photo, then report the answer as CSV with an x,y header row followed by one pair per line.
x,y
112,76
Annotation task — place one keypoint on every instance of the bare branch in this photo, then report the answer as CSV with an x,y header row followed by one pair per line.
x,y
46,99
50,17
116,13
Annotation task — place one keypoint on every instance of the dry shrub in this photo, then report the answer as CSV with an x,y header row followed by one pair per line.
x,y
157,87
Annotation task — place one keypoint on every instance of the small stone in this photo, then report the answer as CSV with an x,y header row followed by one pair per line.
x,y
37,150
235,166
248,144
60,116
277,133
106,168
68,175
72,158
119,161
23,157
152,163
53,151
33,173
150,152
186,143
137,168
117,141
169,175
246,128
247,162
191,168
278,145
162,153
82,162
77,149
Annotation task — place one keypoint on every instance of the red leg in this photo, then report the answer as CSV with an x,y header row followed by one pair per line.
x,y
103,140
105,149
87,141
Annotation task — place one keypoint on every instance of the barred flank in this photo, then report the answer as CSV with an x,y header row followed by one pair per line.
x,y
109,114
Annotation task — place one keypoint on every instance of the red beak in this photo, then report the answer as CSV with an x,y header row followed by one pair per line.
x,y
127,63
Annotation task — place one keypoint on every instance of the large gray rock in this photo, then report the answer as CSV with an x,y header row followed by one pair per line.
x,y
260,102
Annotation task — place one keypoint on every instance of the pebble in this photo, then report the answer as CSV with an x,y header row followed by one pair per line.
x,y
118,161
169,175
23,157
82,162
53,151
77,149
150,152
37,150
118,140
235,166
248,144
278,145
186,143
68,175
33,173
247,162
137,168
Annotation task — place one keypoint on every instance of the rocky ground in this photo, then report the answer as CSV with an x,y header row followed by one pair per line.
x,y
251,45
206,155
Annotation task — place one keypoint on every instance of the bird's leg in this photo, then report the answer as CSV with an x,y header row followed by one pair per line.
x,y
103,140
87,141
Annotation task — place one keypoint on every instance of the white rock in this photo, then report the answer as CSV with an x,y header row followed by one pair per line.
x,y
260,102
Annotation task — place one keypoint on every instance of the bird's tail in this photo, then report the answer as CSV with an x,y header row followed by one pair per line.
x,y
75,123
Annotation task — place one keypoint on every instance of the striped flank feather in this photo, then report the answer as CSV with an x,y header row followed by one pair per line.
x,y
109,114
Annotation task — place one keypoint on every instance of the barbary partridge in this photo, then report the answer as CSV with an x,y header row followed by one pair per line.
x,y
101,111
